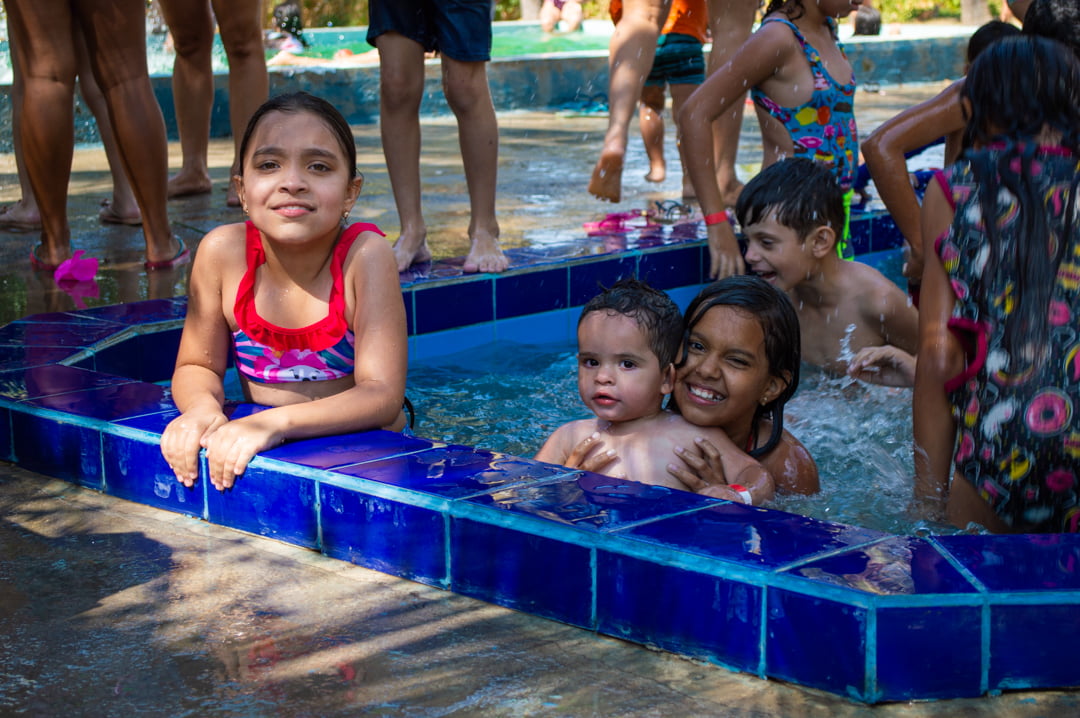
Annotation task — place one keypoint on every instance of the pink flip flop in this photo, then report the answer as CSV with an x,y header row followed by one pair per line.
x,y
620,222
183,256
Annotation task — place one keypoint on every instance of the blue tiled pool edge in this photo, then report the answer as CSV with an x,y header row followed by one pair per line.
x,y
855,612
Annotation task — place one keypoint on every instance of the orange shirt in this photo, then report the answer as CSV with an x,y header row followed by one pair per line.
x,y
687,17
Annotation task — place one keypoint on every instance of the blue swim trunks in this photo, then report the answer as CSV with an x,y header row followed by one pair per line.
x,y
458,29
679,61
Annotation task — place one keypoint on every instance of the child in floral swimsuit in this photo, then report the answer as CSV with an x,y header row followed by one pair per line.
x,y
997,390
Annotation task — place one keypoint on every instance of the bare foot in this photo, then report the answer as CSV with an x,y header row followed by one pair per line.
x,y
18,217
120,212
185,184
688,191
410,249
485,254
606,182
657,173
731,192
232,197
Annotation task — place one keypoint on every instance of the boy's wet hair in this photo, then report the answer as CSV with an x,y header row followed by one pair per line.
x,y
1055,19
779,323
653,310
867,21
804,195
295,103
986,34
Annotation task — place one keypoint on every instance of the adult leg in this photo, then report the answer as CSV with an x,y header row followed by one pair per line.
x,y
631,53
679,93
42,30
22,215
115,32
401,87
730,22
192,29
465,85
240,25
122,207
651,123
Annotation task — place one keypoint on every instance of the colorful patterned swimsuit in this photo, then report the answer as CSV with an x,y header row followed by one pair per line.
x,y
822,129
271,354
1019,423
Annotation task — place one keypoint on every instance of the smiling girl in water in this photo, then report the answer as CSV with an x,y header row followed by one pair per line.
x,y
309,306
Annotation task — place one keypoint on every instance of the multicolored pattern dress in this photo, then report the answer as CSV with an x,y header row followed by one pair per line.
x,y
823,128
1018,420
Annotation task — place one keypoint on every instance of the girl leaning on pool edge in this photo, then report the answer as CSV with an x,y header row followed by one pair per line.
x,y
311,308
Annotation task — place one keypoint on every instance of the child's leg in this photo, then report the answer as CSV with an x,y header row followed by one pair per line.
x,y
465,85
631,52
401,87
651,122
679,93
730,22
549,16
22,214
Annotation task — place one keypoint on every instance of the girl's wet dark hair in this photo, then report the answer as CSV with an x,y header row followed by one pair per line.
x,y
779,323
792,8
295,103
1055,19
1010,108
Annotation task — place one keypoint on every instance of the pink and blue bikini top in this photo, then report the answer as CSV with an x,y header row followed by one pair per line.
x,y
823,128
271,354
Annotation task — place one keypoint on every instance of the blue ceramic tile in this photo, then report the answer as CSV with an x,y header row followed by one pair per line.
x,y
531,292
594,501
20,356
885,233
410,325
902,565
816,643
694,614
136,471
56,334
149,311
1027,562
383,535
328,452
671,267
558,327
154,423
752,535
589,279
861,239
455,305
76,317
110,403
144,357
52,379
61,450
523,571
928,652
6,448
267,503
453,471
1034,646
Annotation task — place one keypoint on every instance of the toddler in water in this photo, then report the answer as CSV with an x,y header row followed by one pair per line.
x,y
627,340
310,306
851,318
804,90
739,365
998,381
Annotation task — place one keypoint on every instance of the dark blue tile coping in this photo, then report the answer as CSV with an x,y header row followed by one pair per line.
x,y
865,615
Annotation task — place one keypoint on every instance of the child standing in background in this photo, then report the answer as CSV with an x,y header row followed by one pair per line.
x,y
792,213
998,382
310,307
804,89
627,340
680,65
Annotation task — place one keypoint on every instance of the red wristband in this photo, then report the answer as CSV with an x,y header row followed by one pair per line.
x,y
743,493
716,218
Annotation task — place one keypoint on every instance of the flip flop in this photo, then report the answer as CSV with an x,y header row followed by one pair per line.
x,y
10,224
39,264
621,222
183,256
108,215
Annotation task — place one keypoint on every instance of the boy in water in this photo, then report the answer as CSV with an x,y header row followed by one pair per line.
x,y
628,338
852,319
